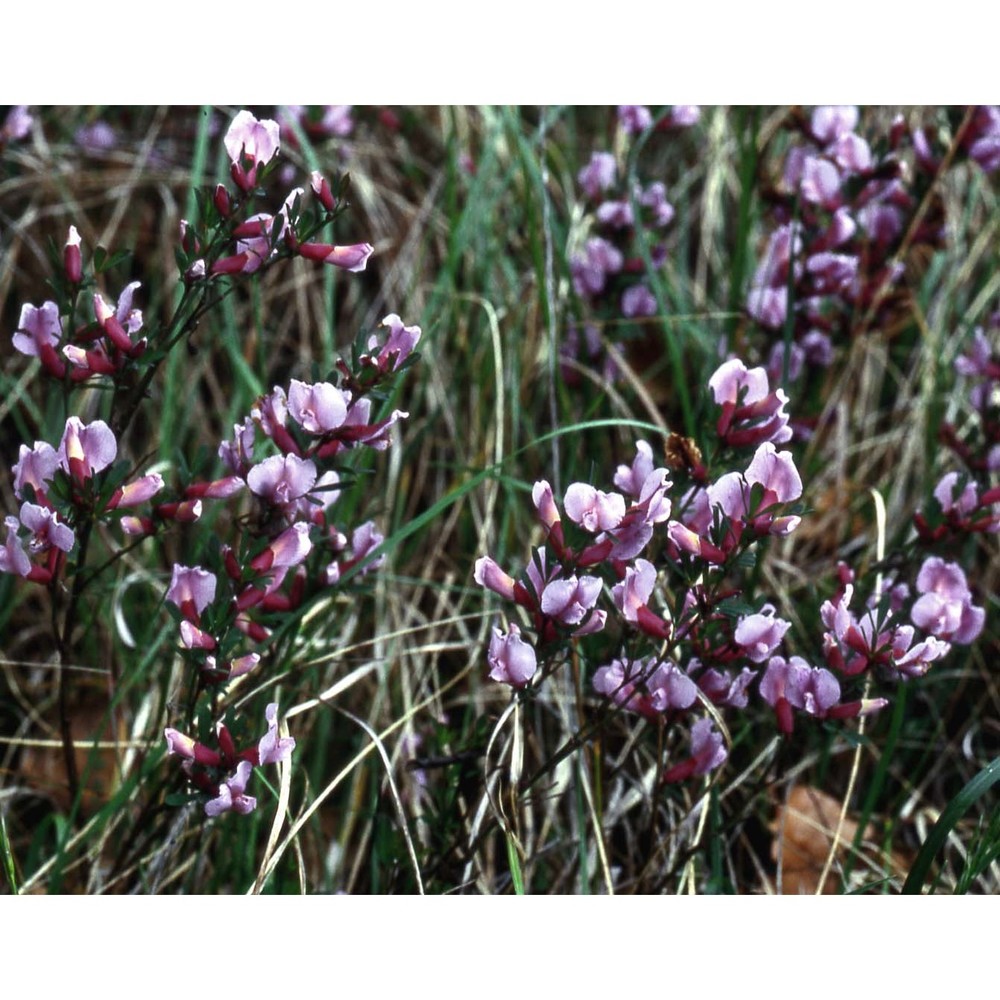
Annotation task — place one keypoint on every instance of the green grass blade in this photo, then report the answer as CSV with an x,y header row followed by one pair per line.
x,y
957,808
7,854
515,865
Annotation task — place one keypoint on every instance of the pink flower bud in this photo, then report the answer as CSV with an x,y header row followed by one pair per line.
x,y
72,261
351,258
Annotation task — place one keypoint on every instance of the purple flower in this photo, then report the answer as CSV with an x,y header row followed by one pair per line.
x,y
638,300
616,214
593,509
633,593
271,749
685,115
722,689
820,182
945,607
35,468
191,588
630,479
232,793
488,574
398,345
796,684
964,503
512,661
915,661
250,143
655,198
568,600
634,118
708,751
98,137
590,272
86,449
37,327
13,558
46,529
17,124
830,122
317,408
851,152
760,634
598,175
282,479
768,306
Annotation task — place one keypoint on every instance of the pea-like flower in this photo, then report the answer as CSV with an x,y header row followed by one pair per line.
x,y
512,661
945,607
232,793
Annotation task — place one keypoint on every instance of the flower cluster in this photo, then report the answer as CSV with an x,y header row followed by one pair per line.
x,y
205,766
832,266
284,463
309,427
704,656
55,485
609,272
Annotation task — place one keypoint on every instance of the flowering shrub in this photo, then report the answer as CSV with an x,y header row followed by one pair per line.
x,y
693,498
288,545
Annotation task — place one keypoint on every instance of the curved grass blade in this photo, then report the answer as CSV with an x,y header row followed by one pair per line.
x,y
958,806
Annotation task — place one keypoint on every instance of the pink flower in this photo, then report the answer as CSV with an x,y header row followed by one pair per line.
x,y
398,345
568,600
232,793
792,683
512,661
317,408
46,529
630,479
282,479
635,590
13,558
945,607
86,449
37,326
593,509
351,258
634,118
830,122
271,749
545,504
488,574
638,300
137,492
289,549
733,382
250,144
775,471
190,749
708,751
35,468
760,634
191,589
598,175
